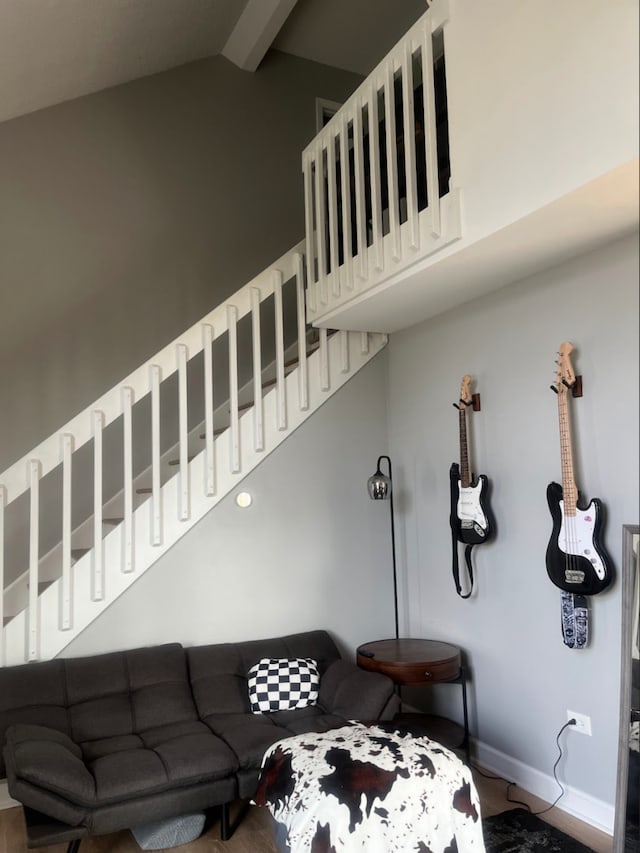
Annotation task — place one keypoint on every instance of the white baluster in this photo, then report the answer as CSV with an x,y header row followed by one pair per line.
x,y
234,426
347,250
33,619
431,139
156,489
410,146
320,223
258,405
310,242
303,376
374,159
364,342
333,215
361,216
66,591
97,578
281,394
324,361
392,162
127,444
344,351
210,457
183,433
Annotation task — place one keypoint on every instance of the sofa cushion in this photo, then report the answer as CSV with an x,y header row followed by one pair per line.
x,y
123,693
248,735
48,759
32,694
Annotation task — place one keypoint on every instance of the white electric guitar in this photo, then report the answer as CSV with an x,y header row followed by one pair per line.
x,y
576,560
474,521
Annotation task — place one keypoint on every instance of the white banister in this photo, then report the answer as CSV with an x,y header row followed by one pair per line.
x,y
324,361
156,498
33,620
97,586
346,206
279,321
210,461
303,377
376,194
128,563
15,478
183,433
374,159
321,242
361,219
256,343
333,213
234,428
344,351
431,138
409,135
392,162
307,174
65,578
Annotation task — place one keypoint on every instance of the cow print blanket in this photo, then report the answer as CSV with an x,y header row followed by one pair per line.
x,y
369,789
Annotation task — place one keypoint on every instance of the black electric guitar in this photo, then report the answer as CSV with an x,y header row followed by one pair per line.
x,y
474,522
576,560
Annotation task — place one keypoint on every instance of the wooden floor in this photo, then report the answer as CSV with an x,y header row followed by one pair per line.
x,y
254,833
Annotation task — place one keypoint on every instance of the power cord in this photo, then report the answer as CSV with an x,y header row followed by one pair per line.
x,y
570,722
510,785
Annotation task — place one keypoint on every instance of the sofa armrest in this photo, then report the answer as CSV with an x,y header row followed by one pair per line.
x,y
355,694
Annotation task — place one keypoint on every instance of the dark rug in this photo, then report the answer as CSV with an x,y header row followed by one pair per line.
x,y
518,831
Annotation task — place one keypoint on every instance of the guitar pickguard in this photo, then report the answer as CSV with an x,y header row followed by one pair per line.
x,y
471,514
577,538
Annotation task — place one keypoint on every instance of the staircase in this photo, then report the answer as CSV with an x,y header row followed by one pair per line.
x,y
97,503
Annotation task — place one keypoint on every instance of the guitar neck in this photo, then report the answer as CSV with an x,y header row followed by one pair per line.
x,y
465,472
569,490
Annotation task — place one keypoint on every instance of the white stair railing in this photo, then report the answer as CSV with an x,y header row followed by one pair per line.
x,y
210,458
376,185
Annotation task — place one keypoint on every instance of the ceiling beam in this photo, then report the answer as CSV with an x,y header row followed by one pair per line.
x,y
257,27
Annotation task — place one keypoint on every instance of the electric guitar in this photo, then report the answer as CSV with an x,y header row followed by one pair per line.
x,y
576,560
474,522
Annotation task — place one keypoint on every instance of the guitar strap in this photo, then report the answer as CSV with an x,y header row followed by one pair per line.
x,y
454,476
575,620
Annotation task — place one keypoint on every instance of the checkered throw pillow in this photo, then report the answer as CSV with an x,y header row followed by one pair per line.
x,y
278,684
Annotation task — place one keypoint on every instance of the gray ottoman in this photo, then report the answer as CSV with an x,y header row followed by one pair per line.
x,y
171,832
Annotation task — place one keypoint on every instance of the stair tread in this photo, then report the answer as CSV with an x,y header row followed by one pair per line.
x,y
112,520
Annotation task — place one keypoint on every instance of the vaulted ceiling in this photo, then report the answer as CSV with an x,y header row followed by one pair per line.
x,y
55,50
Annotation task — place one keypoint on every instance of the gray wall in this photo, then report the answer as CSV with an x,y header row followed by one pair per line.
x,y
524,678
312,551
126,215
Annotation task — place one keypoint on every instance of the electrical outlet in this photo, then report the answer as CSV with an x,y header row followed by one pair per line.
x,y
582,724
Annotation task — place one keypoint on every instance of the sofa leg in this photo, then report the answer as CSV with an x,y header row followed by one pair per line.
x,y
227,826
74,845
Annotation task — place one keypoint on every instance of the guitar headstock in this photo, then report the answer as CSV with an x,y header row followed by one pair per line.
x,y
465,391
565,377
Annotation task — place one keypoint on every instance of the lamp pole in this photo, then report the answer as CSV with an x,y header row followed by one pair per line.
x,y
380,488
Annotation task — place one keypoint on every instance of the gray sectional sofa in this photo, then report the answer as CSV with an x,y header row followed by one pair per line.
x,y
97,744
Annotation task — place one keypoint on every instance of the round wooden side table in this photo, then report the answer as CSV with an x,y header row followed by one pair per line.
x,y
413,661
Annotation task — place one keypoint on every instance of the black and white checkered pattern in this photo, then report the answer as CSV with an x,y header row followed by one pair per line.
x,y
280,684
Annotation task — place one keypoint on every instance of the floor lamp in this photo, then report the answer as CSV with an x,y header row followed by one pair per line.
x,y
380,488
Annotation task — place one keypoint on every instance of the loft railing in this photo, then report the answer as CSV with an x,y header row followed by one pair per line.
x,y
176,435
376,178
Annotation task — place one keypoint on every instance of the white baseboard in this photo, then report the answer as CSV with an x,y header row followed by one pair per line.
x,y
583,806
5,800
